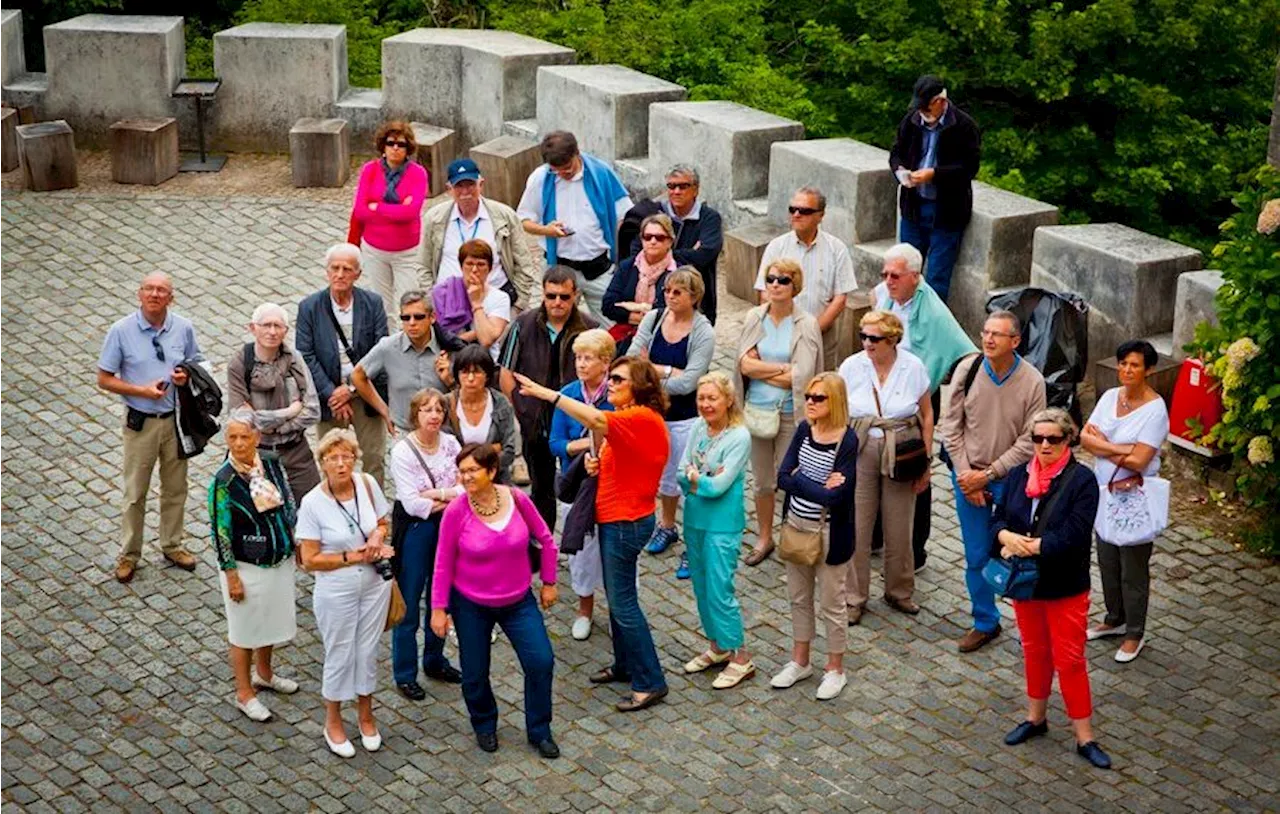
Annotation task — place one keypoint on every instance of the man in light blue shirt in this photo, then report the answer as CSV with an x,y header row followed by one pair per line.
x,y
139,363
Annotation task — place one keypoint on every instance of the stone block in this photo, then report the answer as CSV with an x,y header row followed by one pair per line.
x,y
1127,277
144,151
106,67
437,148
743,251
272,75
48,151
861,191
9,159
996,251
727,143
472,81
362,108
638,176
26,94
523,128
1195,301
1162,378
320,152
506,162
605,106
868,261
13,59
846,325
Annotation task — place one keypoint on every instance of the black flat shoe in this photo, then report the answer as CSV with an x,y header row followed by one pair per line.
x,y
1025,731
488,741
1093,753
607,676
630,704
413,691
547,749
448,674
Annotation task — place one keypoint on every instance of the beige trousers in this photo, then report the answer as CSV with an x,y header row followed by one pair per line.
x,y
156,441
830,345
391,274
895,502
767,454
371,432
830,580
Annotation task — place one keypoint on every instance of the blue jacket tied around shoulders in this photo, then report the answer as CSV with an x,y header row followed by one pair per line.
x,y
603,190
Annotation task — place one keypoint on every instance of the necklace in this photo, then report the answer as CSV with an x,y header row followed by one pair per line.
x,y
483,511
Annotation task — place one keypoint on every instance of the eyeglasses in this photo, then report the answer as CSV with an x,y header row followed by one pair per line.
x,y
892,275
803,210
678,185
614,378
994,334
340,458
552,296
1052,440
414,317
155,343
156,289
658,238
780,279
872,338
815,398
403,145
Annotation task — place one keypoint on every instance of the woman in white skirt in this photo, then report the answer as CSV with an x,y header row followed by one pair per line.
x,y
342,534
251,514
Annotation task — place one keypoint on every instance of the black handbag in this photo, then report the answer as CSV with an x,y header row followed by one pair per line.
x,y
911,459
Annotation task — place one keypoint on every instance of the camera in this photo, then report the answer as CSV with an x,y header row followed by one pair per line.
x,y
383,567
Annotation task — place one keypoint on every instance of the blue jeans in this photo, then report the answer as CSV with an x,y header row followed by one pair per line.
x,y
634,655
417,562
523,626
940,247
975,530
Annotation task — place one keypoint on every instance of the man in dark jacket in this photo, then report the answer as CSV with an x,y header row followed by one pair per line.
x,y
935,158
699,233
539,344
337,326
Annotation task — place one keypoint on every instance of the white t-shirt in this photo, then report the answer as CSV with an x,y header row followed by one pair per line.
x,y
411,479
573,209
899,395
496,305
1149,424
457,232
320,518
478,434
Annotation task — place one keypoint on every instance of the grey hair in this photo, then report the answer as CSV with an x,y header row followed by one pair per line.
x,y
245,416
339,249
1060,417
410,297
906,253
1011,317
686,171
810,189
266,309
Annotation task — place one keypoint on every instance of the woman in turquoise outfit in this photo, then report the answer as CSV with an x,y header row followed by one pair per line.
x,y
711,475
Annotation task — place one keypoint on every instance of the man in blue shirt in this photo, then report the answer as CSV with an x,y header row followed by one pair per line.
x,y
138,363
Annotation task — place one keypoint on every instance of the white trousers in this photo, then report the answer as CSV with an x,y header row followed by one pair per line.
x,y
391,274
586,573
593,292
350,605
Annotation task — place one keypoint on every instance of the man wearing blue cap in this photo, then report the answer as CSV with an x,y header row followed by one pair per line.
x,y
471,216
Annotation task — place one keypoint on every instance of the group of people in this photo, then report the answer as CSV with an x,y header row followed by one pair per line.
x,y
600,380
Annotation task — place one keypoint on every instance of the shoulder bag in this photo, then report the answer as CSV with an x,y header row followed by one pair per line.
x,y
802,542
911,459
397,608
1132,510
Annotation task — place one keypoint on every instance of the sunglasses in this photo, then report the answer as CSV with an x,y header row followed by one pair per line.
x,y
659,238
1053,440
803,210
155,343
815,398
414,317
403,145
779,279
552,296
614,378
681,185
891,275
869,338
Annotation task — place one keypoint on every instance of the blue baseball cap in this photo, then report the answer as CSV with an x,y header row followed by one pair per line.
x,y
464,169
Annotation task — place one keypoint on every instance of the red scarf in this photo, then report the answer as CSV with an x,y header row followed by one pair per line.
x,y
1039,480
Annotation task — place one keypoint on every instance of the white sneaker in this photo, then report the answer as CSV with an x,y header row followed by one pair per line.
x,y
344,749
284,686
582,628
1125,658
831,686
254,709
493,635
790,675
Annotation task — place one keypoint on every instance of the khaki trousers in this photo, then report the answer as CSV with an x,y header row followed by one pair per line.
x,y
391,274
895,502
156,441
371,432
830,581
767,454
831,346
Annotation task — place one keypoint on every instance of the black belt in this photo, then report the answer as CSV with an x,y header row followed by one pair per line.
x,y
154,415
283,445
590,269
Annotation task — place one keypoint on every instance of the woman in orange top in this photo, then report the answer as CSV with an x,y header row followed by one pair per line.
x,y
630,465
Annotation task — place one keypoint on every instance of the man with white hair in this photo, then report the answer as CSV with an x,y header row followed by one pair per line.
x,y
828,268
935,159
271,379
337,326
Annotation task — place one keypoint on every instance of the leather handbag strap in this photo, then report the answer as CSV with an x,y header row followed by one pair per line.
x,y
875,393
342,337
422,461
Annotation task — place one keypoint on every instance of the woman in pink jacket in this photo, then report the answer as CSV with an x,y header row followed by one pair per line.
x,y
386,216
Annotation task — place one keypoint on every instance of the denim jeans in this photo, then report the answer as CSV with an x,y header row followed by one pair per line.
x,y
975,530
940,247
634,655
522,623
417,561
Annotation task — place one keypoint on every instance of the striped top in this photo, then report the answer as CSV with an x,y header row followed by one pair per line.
x,y
816,463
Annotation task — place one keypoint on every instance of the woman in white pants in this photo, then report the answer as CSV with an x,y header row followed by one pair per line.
x,y
342,533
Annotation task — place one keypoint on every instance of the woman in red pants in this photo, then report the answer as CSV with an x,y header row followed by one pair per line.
x,y
1047,515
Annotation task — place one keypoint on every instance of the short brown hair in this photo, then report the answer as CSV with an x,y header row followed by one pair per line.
x,y
558,147
395,127
690,279
789,268
646,384
422,398
476,248
483,454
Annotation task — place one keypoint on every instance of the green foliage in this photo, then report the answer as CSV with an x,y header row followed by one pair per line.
x,y
1244,350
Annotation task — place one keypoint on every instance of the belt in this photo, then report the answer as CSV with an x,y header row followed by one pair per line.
x,y
282,445
156,415
590,269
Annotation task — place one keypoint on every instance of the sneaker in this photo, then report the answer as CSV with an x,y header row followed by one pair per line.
x,y
790,675
254,709
581,628
831,686
520,472
682,570
284,686
661,540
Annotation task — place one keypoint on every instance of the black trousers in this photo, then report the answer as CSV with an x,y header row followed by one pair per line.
x,y
542,478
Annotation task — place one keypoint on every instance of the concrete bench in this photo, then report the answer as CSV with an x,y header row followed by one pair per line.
x,y
505,163
861,191
144,151
1195,302
605,106
437,148
320,152
743,251
9,159
48,151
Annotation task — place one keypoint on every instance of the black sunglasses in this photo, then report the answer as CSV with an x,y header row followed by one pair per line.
x,y
777,278
673,185
614,378
403,145
155,343
869,338
648,238
552,295
815,398
803,210
1051,439
414,317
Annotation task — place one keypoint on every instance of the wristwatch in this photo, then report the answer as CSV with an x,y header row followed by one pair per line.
x,y
344,557
991,474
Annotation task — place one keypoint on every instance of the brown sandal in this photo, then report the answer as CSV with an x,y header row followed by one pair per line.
x,y
757,556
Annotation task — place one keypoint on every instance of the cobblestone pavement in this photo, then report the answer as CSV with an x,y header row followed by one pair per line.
x,y
120,696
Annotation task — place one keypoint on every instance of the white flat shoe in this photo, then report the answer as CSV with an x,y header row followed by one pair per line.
x,y
371,743
790,674
254,710
1095,633
284,686
1124,657
344,749
833,684
581,628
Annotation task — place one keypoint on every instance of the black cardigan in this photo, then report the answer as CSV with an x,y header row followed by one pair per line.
x,y
958,153
622,288
839,501
1067,540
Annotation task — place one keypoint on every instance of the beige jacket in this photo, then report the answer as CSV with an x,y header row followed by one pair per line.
x,y
513,248
806,351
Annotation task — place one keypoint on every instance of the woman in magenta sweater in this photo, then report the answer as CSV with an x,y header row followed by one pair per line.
x,y
482,579
385,217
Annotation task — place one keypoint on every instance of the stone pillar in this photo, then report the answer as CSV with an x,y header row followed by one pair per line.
x,y
506,163
1195,302
48,156
743,250
13,60
437,148
605,106
861,191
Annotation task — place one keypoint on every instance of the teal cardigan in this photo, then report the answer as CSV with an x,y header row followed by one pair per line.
x,y
718,504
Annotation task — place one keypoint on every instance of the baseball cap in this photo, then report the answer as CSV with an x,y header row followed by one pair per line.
x,y
927,87
464,169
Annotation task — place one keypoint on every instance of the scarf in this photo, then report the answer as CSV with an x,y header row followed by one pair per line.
x,y
604,190
264,493
393,176
649,276
1040,479
936,337
453,306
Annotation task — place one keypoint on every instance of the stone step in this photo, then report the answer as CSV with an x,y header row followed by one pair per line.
x,y
26,92
605,106
752,208
1163,343
523,128
362,108
868,260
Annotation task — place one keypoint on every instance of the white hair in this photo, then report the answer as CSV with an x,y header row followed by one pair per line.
x,y
906,253
245,416
267,309
340,249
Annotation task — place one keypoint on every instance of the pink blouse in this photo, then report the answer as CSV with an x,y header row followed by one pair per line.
x,y
391,227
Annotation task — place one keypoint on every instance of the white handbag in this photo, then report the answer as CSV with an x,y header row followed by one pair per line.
x,y
1133,515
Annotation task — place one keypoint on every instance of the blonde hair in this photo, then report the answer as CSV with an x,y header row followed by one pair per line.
x,y
423,397
334,438
721,381
837,397
690,279
1060,417
597,341
888,323
789,268
662,222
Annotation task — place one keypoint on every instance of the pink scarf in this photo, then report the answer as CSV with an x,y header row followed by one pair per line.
x,y
1039,479
649,276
